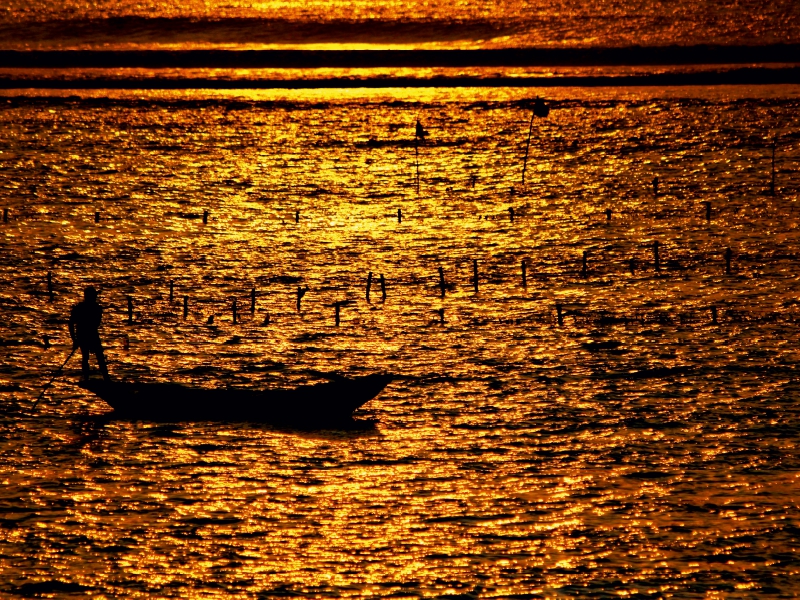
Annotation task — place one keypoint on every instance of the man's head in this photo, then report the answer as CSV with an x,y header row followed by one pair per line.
x,y
90,294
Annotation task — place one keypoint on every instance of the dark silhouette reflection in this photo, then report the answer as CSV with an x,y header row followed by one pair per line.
x,y
343,428
84,321
88,430
335,427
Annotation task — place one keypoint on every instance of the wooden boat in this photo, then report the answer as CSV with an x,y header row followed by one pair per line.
x,y
320,403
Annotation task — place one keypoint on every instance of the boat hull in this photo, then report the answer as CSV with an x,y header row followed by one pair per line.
x,y
329,401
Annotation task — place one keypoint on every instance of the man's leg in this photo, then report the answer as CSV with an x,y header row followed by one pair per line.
x,y
85,363
101,361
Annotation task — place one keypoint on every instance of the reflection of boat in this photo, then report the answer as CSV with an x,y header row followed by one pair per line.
x,y
409,143
330,401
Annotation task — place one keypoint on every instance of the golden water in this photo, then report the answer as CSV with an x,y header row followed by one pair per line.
x,y
636,448
352,24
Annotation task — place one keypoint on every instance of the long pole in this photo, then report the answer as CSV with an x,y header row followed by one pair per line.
x,y
53,378
416,152
527,148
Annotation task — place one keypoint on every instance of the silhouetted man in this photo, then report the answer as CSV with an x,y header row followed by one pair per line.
x,y
84,321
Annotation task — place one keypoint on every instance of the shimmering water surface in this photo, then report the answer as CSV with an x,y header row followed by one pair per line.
x,y
638,447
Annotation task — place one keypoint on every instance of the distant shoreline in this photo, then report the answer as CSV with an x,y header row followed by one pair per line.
x,y
310,59
745,76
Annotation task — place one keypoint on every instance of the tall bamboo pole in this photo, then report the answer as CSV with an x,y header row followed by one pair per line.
x,y
527,148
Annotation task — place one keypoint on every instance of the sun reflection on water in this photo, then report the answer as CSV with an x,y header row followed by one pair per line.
x,y
635,448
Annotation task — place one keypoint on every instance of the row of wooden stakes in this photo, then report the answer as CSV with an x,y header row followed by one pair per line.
x,y
97,218
511,211
601,318
381,281
442,284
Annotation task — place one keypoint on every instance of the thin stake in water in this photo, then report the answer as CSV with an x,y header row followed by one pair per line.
x,y
656,259
524,266
337,308
300,293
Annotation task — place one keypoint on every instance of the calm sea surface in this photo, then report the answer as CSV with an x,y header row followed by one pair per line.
x,y
638,447
186,24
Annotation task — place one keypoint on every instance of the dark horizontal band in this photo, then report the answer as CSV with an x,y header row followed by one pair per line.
x,y
630,56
